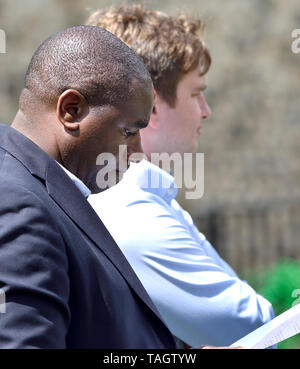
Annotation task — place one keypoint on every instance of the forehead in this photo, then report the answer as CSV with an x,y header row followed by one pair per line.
x,y
135,111
141,98
144,87
193,79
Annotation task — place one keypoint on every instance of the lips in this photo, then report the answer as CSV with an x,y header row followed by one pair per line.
x,y
199,130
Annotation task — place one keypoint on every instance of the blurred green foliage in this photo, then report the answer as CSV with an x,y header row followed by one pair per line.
x,y
280,284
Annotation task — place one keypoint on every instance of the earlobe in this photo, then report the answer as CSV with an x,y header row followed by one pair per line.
x,y
70,110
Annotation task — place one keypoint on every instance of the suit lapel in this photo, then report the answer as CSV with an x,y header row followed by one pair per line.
x,y
64,192
79,210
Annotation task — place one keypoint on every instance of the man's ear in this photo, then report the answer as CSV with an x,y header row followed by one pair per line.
x,y
71,108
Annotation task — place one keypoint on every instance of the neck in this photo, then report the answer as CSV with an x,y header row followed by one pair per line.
x,y
38,132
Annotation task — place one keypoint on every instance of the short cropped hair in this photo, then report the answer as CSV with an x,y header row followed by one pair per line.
x,y
170,46
89,59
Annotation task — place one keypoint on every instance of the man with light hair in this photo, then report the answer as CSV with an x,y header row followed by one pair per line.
x,y
200,297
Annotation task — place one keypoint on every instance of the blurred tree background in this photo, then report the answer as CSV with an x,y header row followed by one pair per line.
x,y
280,285
250,210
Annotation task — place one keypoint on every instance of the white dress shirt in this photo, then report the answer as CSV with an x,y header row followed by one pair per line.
x,y
78,183
199,296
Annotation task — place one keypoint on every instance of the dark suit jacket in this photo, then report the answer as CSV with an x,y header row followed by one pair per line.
x,y
67,284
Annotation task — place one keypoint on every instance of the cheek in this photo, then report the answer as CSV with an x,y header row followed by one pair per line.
x,y
194,107
186,117
193,115
112,142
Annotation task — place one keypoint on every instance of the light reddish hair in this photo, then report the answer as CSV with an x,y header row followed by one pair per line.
x,y
170,46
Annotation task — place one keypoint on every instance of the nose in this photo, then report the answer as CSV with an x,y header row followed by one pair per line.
x,y
135,146
205,109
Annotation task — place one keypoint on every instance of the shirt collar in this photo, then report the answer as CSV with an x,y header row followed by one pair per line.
x,y
149,177
78,183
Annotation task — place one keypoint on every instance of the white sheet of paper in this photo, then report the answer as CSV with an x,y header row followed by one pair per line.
x,y
278,329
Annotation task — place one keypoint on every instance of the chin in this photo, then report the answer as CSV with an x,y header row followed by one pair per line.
x,y
104,181
192,150
196,147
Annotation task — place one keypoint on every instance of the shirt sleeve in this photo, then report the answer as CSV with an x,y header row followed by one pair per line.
x,y
201,300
